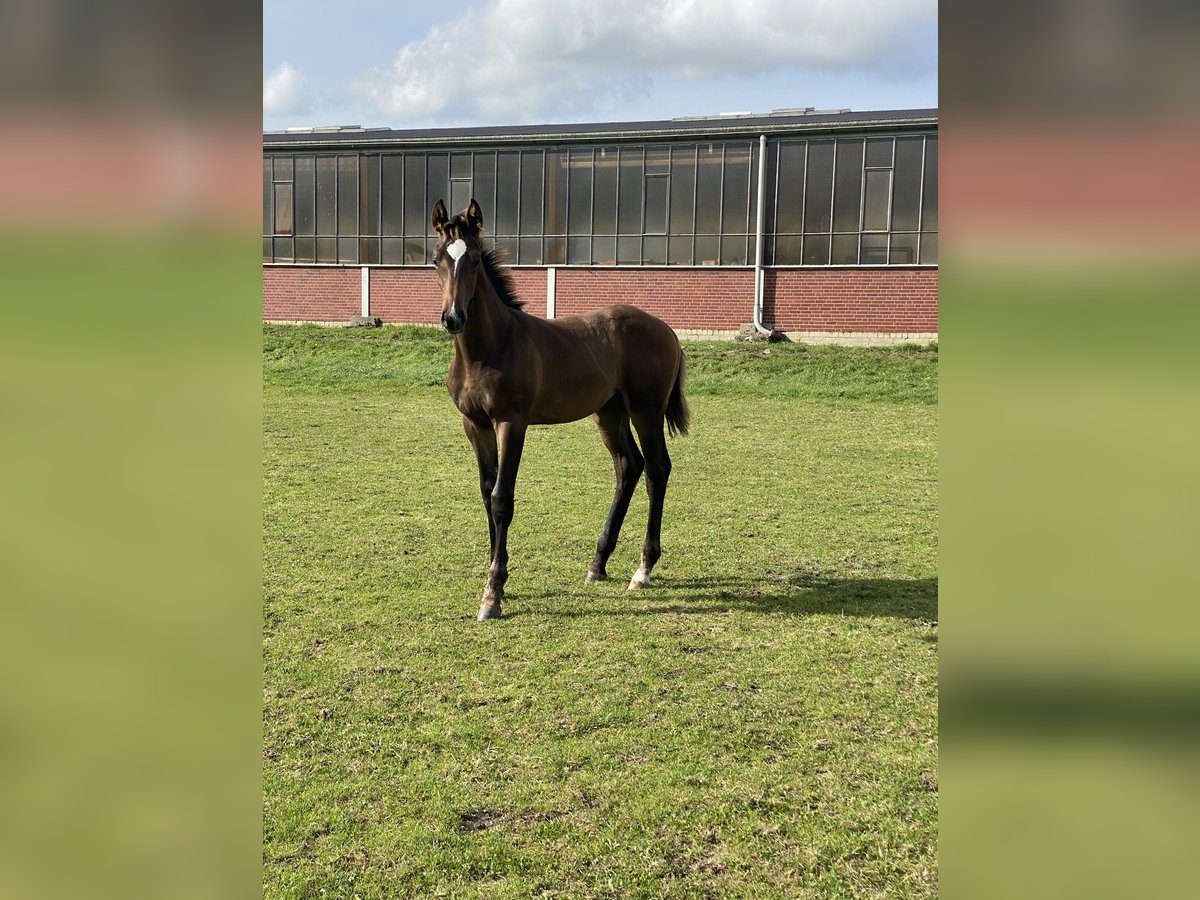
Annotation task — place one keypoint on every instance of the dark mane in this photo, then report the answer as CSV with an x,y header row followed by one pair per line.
x,y
501,278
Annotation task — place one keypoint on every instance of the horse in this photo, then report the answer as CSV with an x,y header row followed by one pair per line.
x,y
511,370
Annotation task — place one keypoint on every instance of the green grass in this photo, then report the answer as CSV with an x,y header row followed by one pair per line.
x,y
762,722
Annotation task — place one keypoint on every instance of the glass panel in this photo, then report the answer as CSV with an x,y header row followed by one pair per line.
x,y
393,251
790,205
368,251
305,196
283,249
874,249
268,200
629,199
879,151
347,250
460,165
392,173
875,204
556,192
848,192
460,196
906,192
929,210
556,251
347,220
368,196
326,249
818,187
507,246
306,249
415,213
708,191
752,198
904,250
414,195
816,250
679,251
604,210
734,206
787,250
708,250
483,187
654,251
658,160
283,209
268,249
283,168
437,187
733,251
844,250
604,251
629,251
327,196
508,174
579,251
414,251
656,204
580,213
929,248
531,251
683,192
531,196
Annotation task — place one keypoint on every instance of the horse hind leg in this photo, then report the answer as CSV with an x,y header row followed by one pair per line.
x,y
658,472
613,423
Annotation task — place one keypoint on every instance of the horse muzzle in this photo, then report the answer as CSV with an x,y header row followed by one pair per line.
x,y
453,321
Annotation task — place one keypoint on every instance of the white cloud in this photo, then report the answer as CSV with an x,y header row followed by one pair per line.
x,y
285,91
510,60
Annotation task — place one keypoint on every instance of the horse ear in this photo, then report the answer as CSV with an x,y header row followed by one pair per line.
x,y
439,216
474,215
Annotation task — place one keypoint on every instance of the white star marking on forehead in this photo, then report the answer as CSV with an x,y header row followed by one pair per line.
x,y
456,251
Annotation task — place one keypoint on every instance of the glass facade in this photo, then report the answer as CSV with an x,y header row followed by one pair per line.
x,y
830,201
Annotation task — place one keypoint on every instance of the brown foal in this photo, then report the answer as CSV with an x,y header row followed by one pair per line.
x,y
512,370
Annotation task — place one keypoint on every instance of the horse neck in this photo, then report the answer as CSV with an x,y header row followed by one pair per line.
x,y
489,323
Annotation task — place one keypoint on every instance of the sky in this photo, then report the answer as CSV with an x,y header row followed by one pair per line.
x,y
516,62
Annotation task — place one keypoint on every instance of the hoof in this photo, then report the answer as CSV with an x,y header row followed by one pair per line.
x,y
597,576
641,579
488,611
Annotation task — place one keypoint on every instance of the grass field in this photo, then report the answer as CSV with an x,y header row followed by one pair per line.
x,y
762,722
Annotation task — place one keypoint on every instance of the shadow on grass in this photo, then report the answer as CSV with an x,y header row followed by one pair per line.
x,y
800,594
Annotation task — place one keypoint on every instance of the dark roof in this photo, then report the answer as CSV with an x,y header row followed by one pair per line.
x,y
727,125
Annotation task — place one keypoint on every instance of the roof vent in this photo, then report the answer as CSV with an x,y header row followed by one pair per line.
x,y
807,111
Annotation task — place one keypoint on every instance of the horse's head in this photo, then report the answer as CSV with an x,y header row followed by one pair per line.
x,y
458,258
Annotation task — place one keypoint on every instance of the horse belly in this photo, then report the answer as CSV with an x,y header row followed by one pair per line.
x,y
568,406
568,401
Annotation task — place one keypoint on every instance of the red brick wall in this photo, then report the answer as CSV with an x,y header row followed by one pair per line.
x,y
859,300
683,298
879,300
311,293
406,295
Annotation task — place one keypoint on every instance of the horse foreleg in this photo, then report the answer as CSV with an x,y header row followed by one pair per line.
x,y
510,438
658,472
483,440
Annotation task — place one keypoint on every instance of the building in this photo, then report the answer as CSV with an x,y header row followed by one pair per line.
x,y
820,224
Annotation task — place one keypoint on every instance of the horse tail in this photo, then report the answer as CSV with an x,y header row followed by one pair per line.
x,y
679,417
